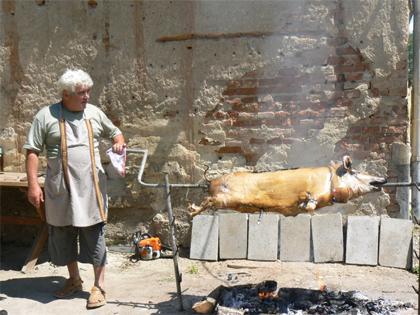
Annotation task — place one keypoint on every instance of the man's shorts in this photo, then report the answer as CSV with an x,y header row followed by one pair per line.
x,y
63,247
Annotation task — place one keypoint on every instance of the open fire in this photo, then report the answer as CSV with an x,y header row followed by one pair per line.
x,y
265,298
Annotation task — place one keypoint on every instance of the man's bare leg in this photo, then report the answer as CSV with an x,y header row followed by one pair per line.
x,y
99,276
73,269
72,285
97,294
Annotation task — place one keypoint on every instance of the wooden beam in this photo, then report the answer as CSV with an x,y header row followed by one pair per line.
x,y
20,220
216,36
188,36
36,250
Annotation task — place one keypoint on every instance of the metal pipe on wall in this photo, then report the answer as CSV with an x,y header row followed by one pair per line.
x,y
415,124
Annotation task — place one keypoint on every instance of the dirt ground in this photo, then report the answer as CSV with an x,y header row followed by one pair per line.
x,y
148,287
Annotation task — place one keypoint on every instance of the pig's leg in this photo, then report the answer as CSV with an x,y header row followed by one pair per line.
x,y
308,202
207,203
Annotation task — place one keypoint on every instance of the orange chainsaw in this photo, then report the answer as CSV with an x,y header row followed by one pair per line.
x,y
146,246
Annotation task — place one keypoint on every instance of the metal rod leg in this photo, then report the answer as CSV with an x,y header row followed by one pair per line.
x,y
178,276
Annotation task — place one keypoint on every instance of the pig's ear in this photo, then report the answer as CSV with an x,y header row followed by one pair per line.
x,y
347,162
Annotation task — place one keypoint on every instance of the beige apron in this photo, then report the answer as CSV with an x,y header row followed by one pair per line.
x,y
75,186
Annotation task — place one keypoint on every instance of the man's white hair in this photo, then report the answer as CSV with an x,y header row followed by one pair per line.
x,y
73,78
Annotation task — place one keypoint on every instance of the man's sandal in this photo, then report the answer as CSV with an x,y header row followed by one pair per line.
x,y
96,298
70,287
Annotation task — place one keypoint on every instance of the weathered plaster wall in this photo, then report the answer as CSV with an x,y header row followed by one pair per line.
x,y
228,84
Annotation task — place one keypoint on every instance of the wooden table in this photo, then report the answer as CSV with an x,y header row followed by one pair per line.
x,y
19,180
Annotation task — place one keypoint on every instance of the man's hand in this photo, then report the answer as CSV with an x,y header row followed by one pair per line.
x,y
119,144
35,195
118,147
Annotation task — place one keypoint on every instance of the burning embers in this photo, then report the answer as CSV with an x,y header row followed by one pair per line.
x,y
264,298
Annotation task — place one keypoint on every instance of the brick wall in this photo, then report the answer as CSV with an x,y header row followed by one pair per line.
x,y
296,101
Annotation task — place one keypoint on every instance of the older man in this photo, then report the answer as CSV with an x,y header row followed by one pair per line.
x,y
75,191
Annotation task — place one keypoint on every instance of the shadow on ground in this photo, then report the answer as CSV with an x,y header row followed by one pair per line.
x,y
13,257
167,307
40,289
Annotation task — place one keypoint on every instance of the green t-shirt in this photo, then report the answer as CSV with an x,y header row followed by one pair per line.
x,y
45,129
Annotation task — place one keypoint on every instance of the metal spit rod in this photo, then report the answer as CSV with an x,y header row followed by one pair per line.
x,y
167,186
402,184
143,163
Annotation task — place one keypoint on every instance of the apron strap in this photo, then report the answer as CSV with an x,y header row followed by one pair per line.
x,y
64,153
94,172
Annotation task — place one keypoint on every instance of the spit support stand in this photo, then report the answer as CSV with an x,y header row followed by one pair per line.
x,y
167,187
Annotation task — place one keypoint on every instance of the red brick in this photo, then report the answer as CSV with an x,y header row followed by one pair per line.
x,y
308,113
335,60
240,91
355,76
252,74
394,130
256,141
278,140
229,150
246,123
250,99
220,115
375,92
233,114
350,68
353,59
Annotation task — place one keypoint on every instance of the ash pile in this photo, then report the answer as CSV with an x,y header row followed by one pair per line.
x,y
264,298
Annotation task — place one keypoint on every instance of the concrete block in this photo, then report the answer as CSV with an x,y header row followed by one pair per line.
x,y
395,243
263,236
295,238
327,237
204,237
362,240
233,235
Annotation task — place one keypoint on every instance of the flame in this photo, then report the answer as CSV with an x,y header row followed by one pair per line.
x,y
321,284
263,295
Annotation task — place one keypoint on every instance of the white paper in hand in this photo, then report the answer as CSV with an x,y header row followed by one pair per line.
x,y
118,161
